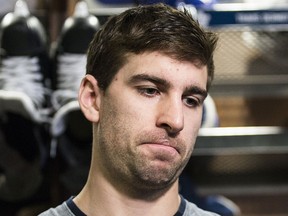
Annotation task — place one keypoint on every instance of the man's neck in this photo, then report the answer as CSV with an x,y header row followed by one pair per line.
x,y
100,198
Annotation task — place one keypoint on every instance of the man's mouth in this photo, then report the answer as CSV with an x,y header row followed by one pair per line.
x,y
162,147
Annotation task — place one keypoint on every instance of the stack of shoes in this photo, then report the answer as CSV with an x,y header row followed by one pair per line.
x,y
71,145
23,74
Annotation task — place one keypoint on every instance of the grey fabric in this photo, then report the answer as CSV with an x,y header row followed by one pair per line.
x,y
192,210
63,210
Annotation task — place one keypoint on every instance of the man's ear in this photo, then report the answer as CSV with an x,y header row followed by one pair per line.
x,y
89,98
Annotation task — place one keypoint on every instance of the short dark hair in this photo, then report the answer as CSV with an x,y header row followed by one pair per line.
x,y
149,28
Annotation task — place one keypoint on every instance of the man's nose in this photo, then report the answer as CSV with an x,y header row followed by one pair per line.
x,y
171,115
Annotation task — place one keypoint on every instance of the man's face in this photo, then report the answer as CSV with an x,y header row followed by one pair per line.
x,y
149,119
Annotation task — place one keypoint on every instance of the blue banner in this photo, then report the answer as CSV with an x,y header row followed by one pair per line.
x,y
218,18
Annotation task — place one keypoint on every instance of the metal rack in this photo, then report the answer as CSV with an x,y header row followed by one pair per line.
x,y
242,140
251,59
241,160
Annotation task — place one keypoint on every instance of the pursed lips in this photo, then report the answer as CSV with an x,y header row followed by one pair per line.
x,y
163,143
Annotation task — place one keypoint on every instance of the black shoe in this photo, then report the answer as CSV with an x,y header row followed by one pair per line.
x,y
24,56
70,54
72,146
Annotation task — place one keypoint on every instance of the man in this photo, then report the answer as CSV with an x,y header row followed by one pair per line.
x,y
148,73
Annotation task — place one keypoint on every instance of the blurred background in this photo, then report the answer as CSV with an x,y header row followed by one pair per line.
x,y
244,156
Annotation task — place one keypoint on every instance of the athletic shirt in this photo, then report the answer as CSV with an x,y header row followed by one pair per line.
x,y
69,208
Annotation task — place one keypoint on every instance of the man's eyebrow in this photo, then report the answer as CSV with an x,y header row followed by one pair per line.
x,y
196,90
151,78
193,89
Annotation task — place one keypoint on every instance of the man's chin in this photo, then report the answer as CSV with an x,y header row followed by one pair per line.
x,y
158,177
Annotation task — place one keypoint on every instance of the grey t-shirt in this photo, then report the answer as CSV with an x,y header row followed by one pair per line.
x,y
69,208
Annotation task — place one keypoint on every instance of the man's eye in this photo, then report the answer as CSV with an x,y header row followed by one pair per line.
x,y
148,91
191,102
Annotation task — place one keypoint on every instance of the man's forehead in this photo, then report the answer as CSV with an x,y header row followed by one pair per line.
x,y
159,64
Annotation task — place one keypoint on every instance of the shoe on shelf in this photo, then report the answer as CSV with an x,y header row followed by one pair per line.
x,y
23,64
21,158
72,145
69,54
23,136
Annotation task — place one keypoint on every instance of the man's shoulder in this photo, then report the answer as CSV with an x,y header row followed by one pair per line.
x,y
193,210
61,210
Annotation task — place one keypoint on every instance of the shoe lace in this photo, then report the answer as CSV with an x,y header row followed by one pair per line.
x,y
71,69
22,74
